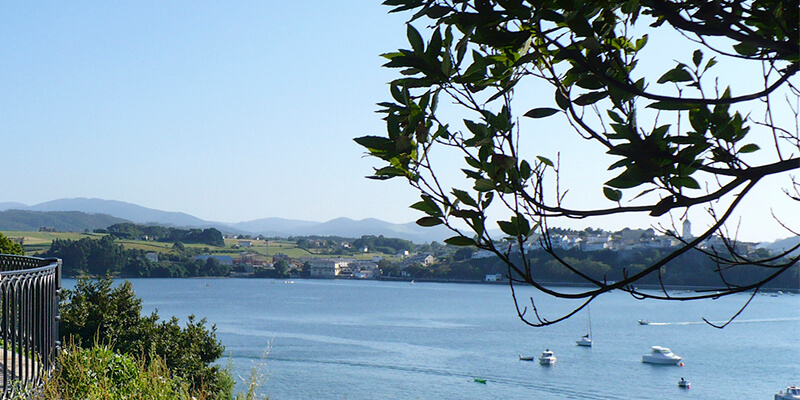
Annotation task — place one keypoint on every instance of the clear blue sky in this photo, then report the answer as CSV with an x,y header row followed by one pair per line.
x,y
229,111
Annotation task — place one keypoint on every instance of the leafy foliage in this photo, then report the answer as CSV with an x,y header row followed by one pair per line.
x,y
8,246
209,236
94,312
696,151
99,373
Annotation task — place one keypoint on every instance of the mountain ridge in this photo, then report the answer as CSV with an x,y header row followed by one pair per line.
x,y
271,226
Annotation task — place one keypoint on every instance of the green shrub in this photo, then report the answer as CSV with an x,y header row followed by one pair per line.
x,y
95,312
100,373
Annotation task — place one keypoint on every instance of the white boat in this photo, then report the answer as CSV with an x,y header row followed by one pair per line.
x,y
547,357
527,358
661,355
792,393
684,383
644,322
586,340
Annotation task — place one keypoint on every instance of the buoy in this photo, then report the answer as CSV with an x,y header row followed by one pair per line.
x,y
681,364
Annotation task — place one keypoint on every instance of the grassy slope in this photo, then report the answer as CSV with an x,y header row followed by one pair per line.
x,y
41,241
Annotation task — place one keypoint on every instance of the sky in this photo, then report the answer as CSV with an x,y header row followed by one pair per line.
x,y
230,111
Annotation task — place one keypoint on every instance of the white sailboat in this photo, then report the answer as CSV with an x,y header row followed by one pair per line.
x,y
586,340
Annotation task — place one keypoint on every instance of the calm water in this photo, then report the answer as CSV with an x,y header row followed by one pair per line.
x,y
379,340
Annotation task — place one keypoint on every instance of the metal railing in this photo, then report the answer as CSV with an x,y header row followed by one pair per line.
x,y
29,296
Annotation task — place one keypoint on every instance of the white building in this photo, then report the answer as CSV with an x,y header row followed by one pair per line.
x,y
493,277
327,268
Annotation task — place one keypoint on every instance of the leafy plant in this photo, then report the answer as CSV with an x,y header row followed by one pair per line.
x,y
95,311
678,138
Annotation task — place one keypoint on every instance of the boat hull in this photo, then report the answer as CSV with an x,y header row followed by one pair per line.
x,y
661,360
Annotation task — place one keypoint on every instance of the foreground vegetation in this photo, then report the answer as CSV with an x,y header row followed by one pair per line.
x,y
101,373
116,352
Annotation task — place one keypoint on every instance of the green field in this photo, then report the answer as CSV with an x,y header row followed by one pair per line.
x,y
34,242
40,241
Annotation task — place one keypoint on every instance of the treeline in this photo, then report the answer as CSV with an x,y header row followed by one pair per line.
x,y
691,269
383,244
98,257
210,236
62,221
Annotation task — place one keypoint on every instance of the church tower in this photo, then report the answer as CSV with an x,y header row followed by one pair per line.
x,y
687,229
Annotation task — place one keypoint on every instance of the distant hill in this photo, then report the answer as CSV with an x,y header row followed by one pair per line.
x,y
347,227
272,226
127,212
783,245
121,209
62,221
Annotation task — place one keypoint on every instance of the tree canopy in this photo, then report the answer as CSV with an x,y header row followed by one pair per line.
x,y
8,246
678,136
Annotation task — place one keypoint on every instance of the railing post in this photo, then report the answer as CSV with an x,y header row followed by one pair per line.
x,y
56,308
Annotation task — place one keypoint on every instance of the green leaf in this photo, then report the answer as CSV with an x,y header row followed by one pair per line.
x,y
684,181
590,98
429,221
710,63
697,57
376,143
426,208
561,100
640,42
540,112
589,82
465,198
614,116
484,185
545,161
508,228
415,39
436,12
612,194
460,241
671,105
624,181
746,49
389,172
749,148
677,74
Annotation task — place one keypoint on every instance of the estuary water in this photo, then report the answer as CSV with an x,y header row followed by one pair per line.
x,y
359,340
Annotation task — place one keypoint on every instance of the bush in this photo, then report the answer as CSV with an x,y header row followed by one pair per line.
x,y
100,373
94,312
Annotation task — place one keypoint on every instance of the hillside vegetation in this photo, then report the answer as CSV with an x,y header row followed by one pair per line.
x,y
62,221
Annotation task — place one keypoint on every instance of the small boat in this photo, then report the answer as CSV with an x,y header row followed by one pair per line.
x,y
480,380
644,322
792,393
586,340
661,355
531,358
684,384
547,357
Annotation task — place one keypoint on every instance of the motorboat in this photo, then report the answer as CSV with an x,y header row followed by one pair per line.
x,y
791,393
644,322
526,358
547,358
684,384
661,355
586,340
